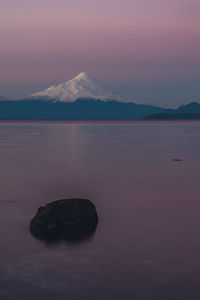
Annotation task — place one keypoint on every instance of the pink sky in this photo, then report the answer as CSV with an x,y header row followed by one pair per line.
x,y
118,42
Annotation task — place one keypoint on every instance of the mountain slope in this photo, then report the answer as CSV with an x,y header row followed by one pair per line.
x,y
78,110
188,111
81,86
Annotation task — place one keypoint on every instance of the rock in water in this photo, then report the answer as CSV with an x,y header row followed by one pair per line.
x,y
68,219
177,159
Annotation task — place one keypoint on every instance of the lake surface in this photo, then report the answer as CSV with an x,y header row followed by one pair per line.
x,y
147,243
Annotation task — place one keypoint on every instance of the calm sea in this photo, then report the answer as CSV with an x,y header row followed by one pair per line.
x,y
147,243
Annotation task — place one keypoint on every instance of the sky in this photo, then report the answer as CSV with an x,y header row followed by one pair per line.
x,y
148,50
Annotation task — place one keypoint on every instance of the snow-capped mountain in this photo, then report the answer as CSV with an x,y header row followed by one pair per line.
x,y
81,86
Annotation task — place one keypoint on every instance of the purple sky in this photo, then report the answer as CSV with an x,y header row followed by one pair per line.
x,y
147,49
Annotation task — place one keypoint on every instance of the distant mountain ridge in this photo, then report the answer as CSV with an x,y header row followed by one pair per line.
x,y
85,98
89,109
187,112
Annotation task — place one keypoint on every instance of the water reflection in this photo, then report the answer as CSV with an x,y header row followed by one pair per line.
x,y
69,241
146,245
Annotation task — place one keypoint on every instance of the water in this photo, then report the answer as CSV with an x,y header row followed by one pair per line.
x,y
147,244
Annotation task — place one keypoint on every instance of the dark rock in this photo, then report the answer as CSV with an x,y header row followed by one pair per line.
x,y
177,159
68,219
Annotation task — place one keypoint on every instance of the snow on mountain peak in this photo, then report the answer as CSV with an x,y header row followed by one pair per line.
x,y
81,86
83,76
